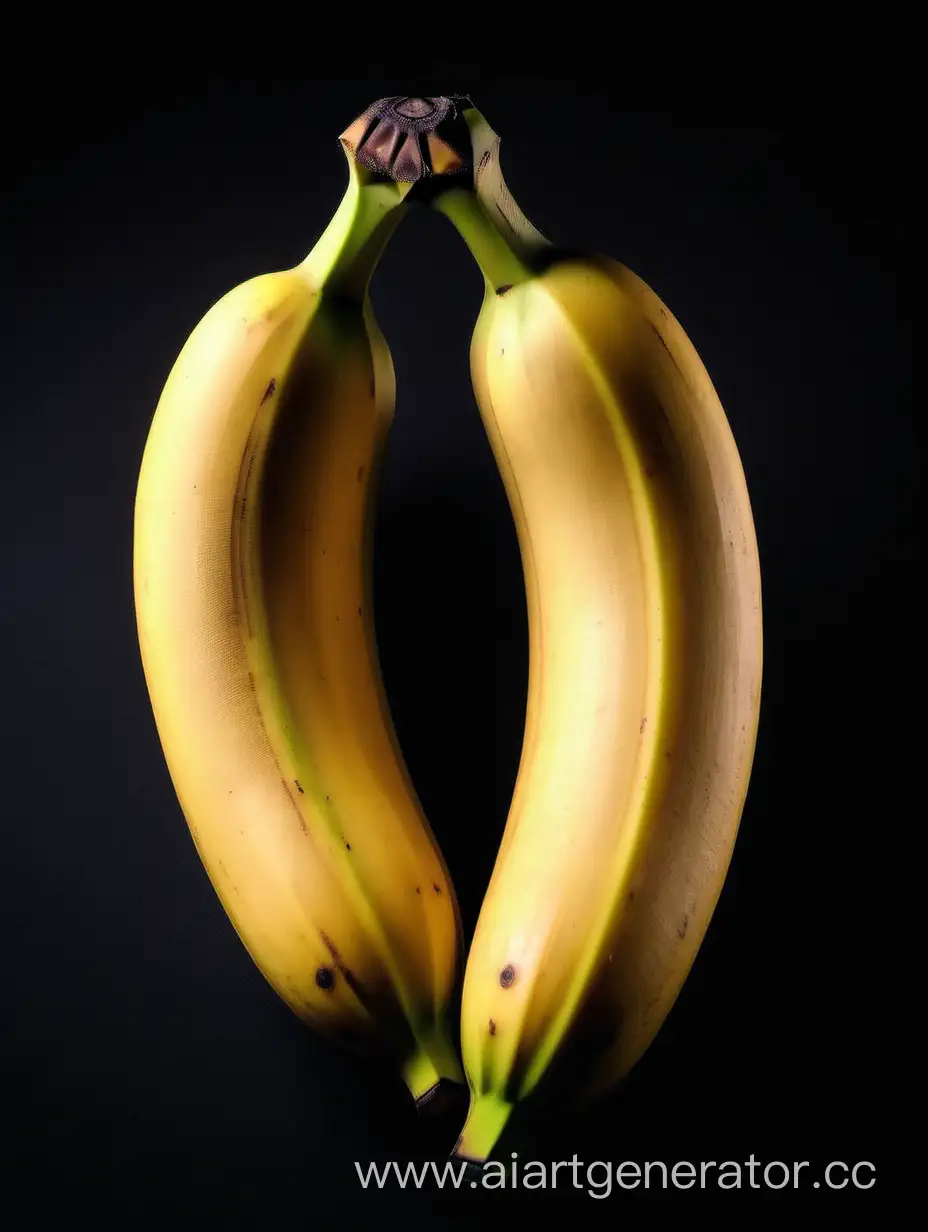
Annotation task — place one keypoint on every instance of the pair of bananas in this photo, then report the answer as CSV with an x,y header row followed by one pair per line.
x,y
252,574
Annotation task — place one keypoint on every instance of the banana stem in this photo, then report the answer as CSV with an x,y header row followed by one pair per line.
x,y
506,246
486,1121
345,256
501,264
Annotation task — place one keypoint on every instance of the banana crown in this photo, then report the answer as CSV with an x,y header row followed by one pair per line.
x,y
410,139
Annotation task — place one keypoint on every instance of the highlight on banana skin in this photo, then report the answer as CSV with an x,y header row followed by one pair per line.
x,y
253,531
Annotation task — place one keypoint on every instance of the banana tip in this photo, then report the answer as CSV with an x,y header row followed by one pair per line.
x,y
442,1097
473,1168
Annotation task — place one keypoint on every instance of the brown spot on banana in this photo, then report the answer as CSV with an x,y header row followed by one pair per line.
x,y
507,977
353,983
663,341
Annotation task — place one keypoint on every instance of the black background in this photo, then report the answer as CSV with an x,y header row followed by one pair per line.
x,y
146,1063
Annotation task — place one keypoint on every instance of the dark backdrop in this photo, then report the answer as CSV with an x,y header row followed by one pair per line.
x,y
145,1062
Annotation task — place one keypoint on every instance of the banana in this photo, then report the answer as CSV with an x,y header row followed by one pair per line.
x,y
645,631
252,580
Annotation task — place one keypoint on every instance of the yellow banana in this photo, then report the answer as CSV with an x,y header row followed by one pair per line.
x,y
644,602
253,598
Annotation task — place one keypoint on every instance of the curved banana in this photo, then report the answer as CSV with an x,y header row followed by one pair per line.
x,y
644,604
253,597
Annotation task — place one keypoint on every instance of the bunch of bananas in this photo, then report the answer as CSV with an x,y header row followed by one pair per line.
x,y
252,574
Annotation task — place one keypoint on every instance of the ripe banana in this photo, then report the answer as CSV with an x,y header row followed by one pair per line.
x,y
253,598
644,605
